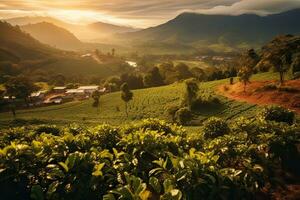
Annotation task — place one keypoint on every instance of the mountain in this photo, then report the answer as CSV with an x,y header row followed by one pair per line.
x,y
53,35
16,45
210,29
97,31
110,28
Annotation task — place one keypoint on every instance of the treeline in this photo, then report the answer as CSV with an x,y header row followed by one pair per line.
x,y
164,74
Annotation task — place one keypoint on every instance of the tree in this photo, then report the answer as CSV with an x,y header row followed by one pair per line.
x,y
183,71
245,74
283,65
96,97
296,64
20,87
126,95
113,51
153,78
191,93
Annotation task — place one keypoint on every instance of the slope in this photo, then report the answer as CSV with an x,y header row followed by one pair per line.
x,y
53,35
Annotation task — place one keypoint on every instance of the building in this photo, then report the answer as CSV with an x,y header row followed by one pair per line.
x,y
89,89
59,89
38,95
57,99
76,93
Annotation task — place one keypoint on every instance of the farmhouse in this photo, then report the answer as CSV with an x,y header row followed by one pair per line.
x,y
38,95
89,89
76,93
59,89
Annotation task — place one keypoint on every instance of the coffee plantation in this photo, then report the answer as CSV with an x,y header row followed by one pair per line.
x,y
150,159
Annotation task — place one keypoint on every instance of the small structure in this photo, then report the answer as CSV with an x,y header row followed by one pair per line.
x,y
38,95
103,90
76,93
61,89
89,89
36,98
57,99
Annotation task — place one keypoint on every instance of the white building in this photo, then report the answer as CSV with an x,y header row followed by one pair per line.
x,y
89,88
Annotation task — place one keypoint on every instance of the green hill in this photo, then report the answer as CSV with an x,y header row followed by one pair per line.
x,y
16,45
147,103
53,35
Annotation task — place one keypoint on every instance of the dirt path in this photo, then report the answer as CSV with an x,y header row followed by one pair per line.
x,y
257,93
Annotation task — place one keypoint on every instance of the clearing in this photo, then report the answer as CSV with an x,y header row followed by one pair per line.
x,y
265,93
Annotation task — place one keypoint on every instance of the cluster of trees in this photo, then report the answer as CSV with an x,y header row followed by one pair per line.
x,y
164,74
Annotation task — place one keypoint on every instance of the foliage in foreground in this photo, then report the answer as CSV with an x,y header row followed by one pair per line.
x,y
151,159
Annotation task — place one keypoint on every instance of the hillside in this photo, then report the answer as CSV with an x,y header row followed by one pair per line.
x,y
210,29
147,103
53,35
17,45
32,56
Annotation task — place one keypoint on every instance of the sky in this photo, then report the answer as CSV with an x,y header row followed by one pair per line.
x,y
137,13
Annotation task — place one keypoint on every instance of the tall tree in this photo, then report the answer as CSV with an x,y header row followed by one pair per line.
x,y
153,78
20,87
126,96
96,98
245,74
191,92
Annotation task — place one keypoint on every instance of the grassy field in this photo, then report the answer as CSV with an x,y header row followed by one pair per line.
x,y
147,103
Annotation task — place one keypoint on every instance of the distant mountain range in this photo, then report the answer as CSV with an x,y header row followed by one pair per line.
x,y
211,29
97,31
189,32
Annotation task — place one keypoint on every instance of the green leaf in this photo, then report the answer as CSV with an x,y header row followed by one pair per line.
x,y
66,168
52,187
36,193
98,169
168,185
109,197
154,182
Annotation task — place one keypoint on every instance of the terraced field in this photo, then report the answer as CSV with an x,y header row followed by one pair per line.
x,y
147,103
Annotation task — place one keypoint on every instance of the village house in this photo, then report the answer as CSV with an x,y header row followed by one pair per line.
x,y
60,89
76,94
89,89
36,98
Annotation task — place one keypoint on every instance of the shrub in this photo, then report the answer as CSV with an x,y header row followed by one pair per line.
x,y
205,100
215,127
48,129
171,110
267,87
154,125
183,116
278,114
106,135
288,89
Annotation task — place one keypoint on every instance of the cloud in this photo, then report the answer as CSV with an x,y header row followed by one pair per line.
x,y
260,7
138,12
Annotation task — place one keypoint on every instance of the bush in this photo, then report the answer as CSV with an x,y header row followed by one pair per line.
x,y
171,110
267,87
48,129
106,135
278,114
288,89
154,125
215,127
183,116
205,100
